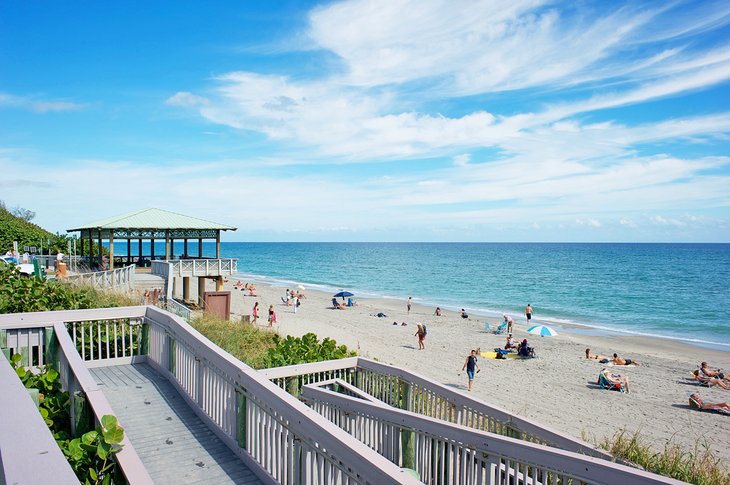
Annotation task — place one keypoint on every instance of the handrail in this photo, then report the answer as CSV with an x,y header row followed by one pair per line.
x,y
75,374
469,451
269,414
173,306
28,452
432,398
113,279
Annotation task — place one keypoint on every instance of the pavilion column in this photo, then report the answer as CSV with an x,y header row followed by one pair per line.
x,y
218,245
111,249
201,289
152,249
186,288
218,283
99,241
140,250
129,250
200,247
91,248
81,244
167,245
185,247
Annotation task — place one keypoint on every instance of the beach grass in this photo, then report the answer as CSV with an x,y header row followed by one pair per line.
x,y
699,465
245,342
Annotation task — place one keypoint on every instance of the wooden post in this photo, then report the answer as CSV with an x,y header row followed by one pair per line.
x,y
200,247
218,244
145,339
111,249
241,419
167,245
185,247
152,248
82,421
201,289
99,241
171,354
50,344
218,283
4,343
140,250
407,438
129,250
186,288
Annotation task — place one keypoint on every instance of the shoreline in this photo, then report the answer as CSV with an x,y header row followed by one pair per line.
x,y
561,325
558,389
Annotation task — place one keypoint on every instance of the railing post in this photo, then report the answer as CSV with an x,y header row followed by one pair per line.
x,y
145,343
50,346
82,419
241,424
407,438
4,343
170,354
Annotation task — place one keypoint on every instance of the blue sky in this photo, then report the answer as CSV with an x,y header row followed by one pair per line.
x,y
373,121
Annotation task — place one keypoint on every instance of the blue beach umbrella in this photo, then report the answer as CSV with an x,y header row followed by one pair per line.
x,y
542,330
343,294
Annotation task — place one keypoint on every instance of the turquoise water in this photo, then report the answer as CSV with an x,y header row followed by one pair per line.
x,y
671,290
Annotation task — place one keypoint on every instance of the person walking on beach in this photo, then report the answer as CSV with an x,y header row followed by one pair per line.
x,y
272,315
470,364
421,334
296,304
255,313
408,304
528,313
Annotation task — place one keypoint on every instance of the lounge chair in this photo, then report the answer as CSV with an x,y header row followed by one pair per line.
x,y
606,384
500,329
336,305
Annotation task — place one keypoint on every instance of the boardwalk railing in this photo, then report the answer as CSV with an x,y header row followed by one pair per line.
x,y
276,435
28,452
196,267
174,306
121,279
409,391
442,452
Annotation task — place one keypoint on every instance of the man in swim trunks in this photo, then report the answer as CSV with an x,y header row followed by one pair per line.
x,y
619,361
528,313
707,371
470,364
408,304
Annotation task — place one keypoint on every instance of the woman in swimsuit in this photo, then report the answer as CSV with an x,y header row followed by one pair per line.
x,y
696,402
595,356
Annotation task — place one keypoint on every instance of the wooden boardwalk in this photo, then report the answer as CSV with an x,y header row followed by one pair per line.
x,y
174,444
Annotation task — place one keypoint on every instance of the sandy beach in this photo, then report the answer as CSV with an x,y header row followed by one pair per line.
x,y
557,389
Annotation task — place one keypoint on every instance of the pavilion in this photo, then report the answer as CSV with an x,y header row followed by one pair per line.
x,y
148,224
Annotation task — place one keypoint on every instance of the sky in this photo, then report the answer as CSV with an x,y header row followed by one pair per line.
x,y
394,120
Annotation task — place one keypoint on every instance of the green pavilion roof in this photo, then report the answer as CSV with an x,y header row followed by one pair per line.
x,y
154,219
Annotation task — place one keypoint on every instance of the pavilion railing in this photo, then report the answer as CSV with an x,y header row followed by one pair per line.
x,y
442,452
204,267
120,279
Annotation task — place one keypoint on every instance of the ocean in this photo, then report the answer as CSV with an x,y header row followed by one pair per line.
x,y
679,291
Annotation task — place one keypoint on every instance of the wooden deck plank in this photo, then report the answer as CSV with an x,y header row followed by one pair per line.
x,y
173,443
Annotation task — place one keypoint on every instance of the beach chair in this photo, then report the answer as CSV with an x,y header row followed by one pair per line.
x,y
699,379
501,328
606,384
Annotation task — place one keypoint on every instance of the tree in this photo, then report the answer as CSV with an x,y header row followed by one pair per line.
x,y
25,214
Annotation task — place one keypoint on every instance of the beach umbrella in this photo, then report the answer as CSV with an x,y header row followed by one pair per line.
x,y
343,294
542,330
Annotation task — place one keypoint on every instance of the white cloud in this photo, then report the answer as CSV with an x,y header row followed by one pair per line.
x,y
35,104
461,160
187,100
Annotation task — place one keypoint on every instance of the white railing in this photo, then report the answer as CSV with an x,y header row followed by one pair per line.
x,y
449,453
276,435
264,425
121,279
28,452
407,390
202,267
174,306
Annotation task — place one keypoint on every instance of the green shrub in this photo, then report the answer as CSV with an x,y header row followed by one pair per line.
x,y
301,350
700,465
247,343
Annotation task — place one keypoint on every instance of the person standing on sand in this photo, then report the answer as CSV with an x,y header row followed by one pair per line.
x,y
272,315
255,313
408,304
421,335
470,364
528,313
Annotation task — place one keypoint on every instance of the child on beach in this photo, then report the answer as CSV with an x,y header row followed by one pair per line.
x,y
255,313
470,364
421,335
272,315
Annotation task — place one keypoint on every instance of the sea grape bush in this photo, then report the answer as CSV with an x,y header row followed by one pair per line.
x,y
20,294
296,350
91,455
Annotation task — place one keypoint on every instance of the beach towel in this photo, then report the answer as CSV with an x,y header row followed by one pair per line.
x,y
508,355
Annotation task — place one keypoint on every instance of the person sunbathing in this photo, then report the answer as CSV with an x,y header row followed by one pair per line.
x,y
696,402
616,379
591,356
337,305
707,371
619,361
711,381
